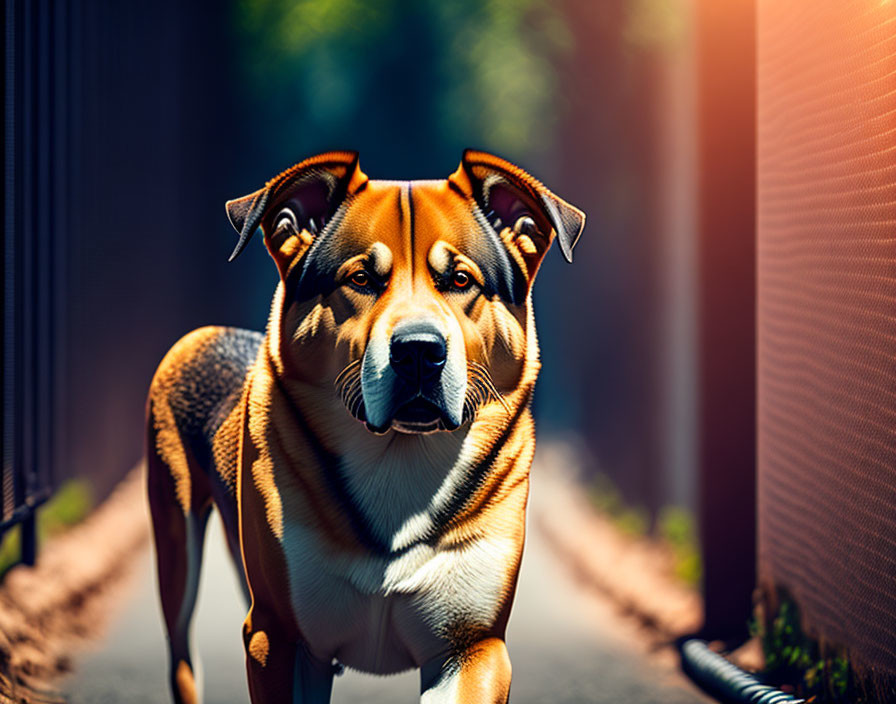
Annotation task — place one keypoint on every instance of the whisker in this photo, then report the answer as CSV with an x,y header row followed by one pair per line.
x,y
481,395
348,391
481,387
352,397
498,396
343,384
355,409
348,377
350,367
348,387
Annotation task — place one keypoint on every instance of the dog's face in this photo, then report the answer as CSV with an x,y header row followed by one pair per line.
x,y
408,301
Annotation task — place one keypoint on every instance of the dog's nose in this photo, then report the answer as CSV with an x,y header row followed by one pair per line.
x,y
417,351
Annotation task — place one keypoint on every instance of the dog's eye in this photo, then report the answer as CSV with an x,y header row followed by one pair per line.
x,y
461,280
360,279
286,218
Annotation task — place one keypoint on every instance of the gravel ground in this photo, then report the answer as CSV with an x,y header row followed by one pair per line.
x,y
567,643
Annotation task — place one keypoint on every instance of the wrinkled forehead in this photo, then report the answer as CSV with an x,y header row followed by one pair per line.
x,y
400,224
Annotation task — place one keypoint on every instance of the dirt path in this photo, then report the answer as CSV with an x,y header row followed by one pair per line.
x,y
568,643
49,611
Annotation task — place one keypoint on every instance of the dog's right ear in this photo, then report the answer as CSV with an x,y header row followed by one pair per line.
x,y
300,202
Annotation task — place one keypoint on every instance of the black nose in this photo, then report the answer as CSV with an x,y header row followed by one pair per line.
x,y
417,352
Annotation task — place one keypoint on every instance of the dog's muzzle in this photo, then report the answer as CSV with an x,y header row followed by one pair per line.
x,y
410,383
417,355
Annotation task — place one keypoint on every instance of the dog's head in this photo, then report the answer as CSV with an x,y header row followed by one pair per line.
x,y
407,301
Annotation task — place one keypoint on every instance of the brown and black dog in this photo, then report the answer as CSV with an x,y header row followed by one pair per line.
x,y
369,454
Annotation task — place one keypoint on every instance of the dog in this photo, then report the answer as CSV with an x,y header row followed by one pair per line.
x,y
369,455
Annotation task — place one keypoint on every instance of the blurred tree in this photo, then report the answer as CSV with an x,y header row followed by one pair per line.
x,y
409,84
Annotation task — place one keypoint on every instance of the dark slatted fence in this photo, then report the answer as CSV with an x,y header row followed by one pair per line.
x,y
37,93
119,151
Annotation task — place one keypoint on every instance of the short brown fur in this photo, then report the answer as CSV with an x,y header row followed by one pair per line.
x,y
257,426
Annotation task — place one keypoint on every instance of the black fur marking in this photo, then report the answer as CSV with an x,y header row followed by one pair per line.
x,y
316,275
457,189
503,278
477,477
212,382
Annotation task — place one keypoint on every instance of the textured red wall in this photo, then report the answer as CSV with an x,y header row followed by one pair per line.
x,y
827,317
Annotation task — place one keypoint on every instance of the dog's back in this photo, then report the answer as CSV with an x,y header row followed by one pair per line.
x,y
192,445
196,387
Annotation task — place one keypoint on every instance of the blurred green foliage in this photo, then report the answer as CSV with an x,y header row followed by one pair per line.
x,y
678,528
675,527
607,498
68,506
405,82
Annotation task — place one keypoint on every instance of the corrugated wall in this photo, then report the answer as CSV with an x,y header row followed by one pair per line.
x,y
827,317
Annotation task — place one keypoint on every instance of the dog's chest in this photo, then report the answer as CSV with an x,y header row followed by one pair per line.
x,y
393,610
388,614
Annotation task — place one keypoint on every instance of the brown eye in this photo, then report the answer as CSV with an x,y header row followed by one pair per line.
x,y
360,279
461,280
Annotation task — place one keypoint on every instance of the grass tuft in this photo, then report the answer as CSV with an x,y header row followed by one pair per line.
x,y
793,659
678,527
68,506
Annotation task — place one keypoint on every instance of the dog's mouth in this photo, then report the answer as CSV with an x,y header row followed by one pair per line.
x,y
415,417
419,416
415,413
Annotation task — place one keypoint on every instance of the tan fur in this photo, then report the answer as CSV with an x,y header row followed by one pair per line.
x,y
282,434
186,684
485,673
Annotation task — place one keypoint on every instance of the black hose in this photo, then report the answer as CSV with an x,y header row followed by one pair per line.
x,y
725,680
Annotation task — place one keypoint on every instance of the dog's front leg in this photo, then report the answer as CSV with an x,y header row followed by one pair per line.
x,y
279,669
480,674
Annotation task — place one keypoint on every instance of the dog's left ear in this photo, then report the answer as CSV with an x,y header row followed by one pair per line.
x,y
521,209
296,205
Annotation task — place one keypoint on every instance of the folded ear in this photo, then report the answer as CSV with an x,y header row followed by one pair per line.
x,y
300,202
521,209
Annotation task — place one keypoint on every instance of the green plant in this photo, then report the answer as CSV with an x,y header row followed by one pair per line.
x,y
822,674
68,506
678,527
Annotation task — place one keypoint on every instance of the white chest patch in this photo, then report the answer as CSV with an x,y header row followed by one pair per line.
x,y
385,613
401,489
